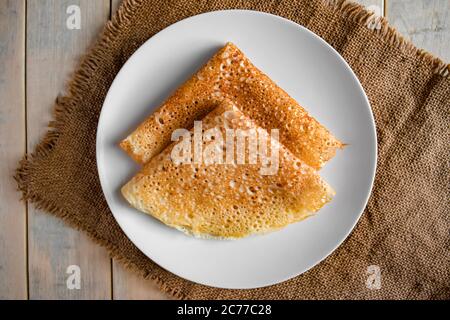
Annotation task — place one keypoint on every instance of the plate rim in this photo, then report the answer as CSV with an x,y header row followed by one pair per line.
x,y
372,129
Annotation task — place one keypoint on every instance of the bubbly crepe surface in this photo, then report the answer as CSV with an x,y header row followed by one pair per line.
x,y
230,75
227,200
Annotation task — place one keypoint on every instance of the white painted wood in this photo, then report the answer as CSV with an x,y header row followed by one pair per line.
x,y
373,5
130,286
425,22
13,271
115,5
53,52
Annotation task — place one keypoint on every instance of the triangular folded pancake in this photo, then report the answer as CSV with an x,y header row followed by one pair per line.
x,y
231,199
229,74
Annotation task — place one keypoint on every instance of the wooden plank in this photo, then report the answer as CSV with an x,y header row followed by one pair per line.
x,y
374,5
115,5
13,270
128,285
425,22
54,46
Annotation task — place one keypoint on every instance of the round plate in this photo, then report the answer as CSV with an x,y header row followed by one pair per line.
x,y
302,64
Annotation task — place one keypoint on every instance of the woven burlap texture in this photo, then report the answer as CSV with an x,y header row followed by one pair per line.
x,y
405,229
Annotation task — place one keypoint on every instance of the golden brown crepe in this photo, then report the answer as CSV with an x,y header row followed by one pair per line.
x,y
229,74
231,199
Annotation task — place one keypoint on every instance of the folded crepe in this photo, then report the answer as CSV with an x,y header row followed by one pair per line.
x,y
218,193
230,75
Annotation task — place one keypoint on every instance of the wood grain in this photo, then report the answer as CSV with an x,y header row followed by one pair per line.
x,y
115,5
128,285
52,53
371,3
425,22
13,270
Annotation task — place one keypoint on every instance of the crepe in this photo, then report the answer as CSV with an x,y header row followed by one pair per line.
x,y
232,199
230,75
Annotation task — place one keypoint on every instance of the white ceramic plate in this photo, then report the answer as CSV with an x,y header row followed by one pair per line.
x,y
305,66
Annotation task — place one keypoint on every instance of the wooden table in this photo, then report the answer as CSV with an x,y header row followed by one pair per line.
x,y
39,47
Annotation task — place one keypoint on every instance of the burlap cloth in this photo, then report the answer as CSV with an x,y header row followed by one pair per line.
x,y
405,229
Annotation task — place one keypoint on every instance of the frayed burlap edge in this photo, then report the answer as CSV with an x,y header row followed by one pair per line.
x,y
388,34
90,62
